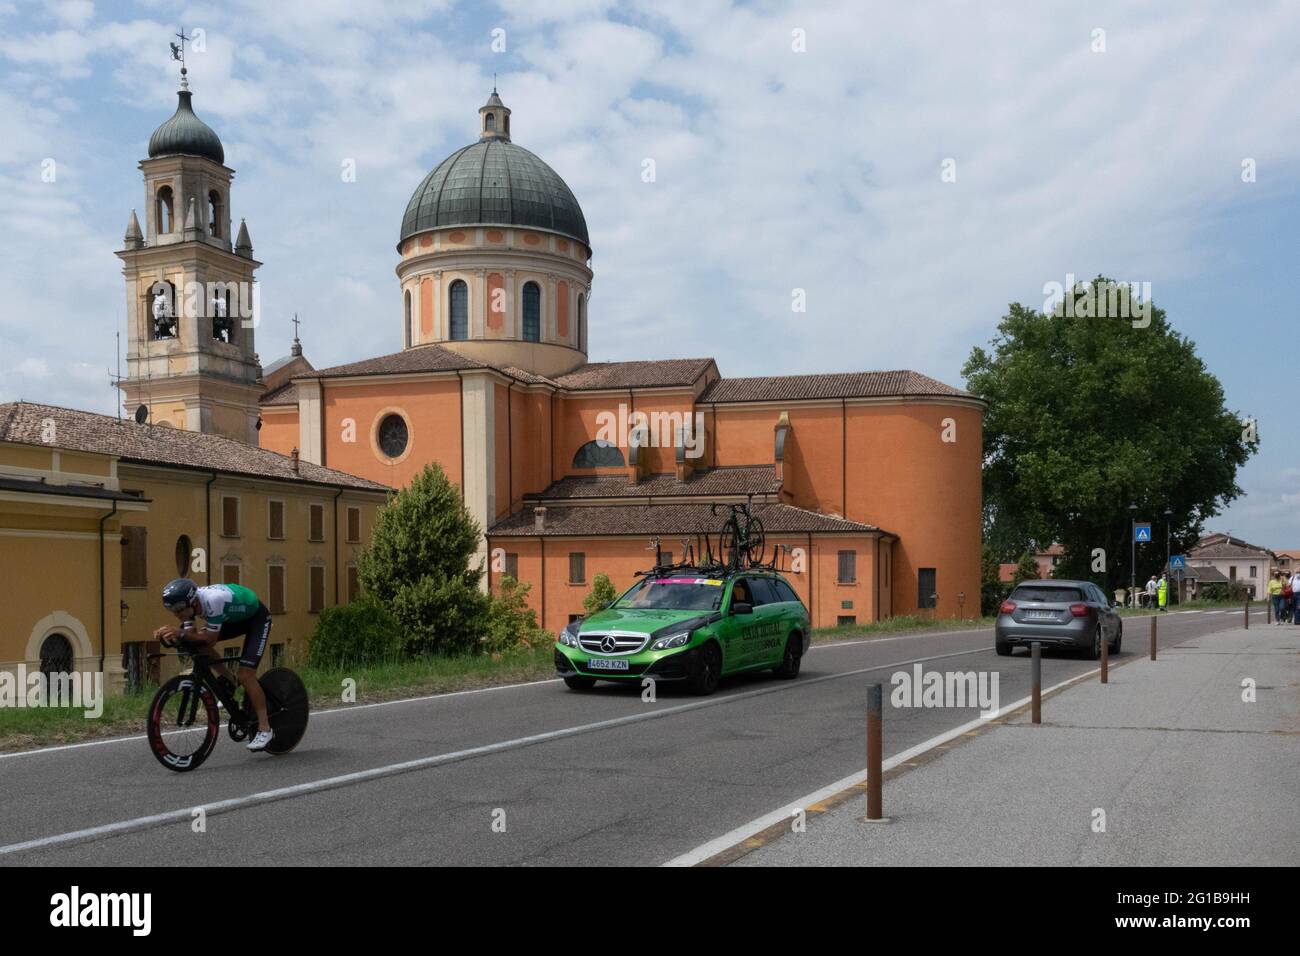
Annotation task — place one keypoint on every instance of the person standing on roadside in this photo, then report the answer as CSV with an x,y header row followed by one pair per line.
x,y
1275,598
1162,592
1151,591
1295,586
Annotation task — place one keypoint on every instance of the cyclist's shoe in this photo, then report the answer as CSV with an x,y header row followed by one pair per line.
x,y
260,741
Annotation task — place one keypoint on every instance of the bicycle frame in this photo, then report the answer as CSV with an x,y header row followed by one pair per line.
x,y
203,674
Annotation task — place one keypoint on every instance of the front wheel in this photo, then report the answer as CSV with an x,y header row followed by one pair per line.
x,y
183,724
708,670
580,683
286,708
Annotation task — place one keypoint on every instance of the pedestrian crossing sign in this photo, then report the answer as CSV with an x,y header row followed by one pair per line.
x,y
1141,532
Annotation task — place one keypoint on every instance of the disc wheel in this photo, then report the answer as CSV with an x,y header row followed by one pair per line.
x,y
286,708
183,724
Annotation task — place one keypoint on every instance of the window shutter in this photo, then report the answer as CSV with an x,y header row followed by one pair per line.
x,y
317,523
276,529
577,567
275,587
317,599
230,517
354,525
135,553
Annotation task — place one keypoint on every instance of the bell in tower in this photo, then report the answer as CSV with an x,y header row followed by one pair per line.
x,y
190,293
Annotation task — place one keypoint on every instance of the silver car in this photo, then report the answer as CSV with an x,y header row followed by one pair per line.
x,y
1074,614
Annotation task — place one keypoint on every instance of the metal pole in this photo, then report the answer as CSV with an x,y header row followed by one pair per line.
x,y
875,756
1036,668
1105,654
1153,638
1133,558
1247,609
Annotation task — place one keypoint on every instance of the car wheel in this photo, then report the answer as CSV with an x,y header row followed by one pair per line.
x,y
1094,652
1002,647
708,670
580,683
788,669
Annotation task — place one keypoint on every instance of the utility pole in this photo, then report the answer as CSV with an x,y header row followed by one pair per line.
x,y
1132,561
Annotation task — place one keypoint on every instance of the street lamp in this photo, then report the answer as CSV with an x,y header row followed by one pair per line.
x,y
1133,551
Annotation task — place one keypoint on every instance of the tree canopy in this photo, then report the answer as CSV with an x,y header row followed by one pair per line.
x,y
1088,415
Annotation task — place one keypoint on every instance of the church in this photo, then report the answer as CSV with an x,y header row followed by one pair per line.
x,y
870,481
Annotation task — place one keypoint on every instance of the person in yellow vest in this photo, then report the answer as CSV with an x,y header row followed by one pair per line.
x,y
1275,587
1162,592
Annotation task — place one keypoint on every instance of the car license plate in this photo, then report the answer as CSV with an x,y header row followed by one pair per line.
x,y
606,664
1041,615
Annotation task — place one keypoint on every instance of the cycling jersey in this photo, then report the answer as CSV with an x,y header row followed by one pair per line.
x,y
221,604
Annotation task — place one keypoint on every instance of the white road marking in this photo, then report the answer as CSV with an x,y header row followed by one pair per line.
x,y
754,827
390,770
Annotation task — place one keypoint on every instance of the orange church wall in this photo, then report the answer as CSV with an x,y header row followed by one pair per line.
x,y
279,430
578,421
739,435
432,410
903,477
622,557
502,421
426,307
529,429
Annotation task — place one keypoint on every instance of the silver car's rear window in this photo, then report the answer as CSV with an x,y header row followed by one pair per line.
x,y
1047,595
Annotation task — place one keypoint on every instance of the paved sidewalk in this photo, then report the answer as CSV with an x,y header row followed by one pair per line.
x,y
1186,772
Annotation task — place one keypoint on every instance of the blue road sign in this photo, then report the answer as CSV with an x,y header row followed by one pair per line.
x,y
1177,562
1142,532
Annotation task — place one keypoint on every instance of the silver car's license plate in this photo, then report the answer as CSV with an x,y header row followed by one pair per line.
x,y
1040,615
605,664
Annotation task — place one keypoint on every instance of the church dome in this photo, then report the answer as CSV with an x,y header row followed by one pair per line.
x,y
186,134
494,182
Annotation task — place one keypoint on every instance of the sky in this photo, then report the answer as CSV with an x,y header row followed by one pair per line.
x,y
912,168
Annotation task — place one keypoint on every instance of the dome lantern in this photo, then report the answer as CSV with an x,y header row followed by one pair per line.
x,y
494,119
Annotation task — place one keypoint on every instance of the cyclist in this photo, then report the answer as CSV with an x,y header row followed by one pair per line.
x,y
228,611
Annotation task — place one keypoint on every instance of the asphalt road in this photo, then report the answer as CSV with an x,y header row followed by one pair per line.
x,y
570,778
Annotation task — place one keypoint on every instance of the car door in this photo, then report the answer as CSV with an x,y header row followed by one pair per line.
x,y
767,646
1105,616
733,628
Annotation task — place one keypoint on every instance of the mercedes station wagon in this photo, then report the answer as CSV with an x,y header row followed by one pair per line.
x,y
691,626
1072,614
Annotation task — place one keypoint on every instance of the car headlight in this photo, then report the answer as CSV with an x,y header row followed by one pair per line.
x,y
569,636
672,640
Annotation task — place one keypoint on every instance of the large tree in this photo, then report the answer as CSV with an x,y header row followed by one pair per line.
x,y
1089,414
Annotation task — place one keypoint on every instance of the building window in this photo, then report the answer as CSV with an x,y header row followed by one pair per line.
x,y
598,454
135,555
458,303
275,588
491,122
56,655
275,520
532,312
214,213
229,516
354,525
161,307
230,574
184,554
845,620
927,588
408,318
848,567
393,436
316,595
1232,572
316,530
165,211
354,583
1252,570
512,566
577,567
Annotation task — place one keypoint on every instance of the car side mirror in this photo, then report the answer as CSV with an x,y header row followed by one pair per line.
x,y
742,607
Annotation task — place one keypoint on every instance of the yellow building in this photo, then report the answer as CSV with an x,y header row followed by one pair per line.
x,y
96,514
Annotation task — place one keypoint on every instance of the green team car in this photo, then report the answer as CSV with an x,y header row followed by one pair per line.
x,y
689,624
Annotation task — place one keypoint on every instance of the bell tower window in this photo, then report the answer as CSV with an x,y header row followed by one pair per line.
x,y
161,307
458,297
532,312
491,122
164,211
214,214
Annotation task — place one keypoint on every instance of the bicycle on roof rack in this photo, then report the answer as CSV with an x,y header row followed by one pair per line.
x,y
742,541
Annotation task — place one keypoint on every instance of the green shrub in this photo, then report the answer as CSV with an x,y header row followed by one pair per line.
x,y
363,632
511,622
418,566
602,593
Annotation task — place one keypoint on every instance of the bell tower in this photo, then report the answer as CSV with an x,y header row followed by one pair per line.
x,y
191,307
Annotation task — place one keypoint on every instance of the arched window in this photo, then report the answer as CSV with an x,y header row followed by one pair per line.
x,y
408,318
491,123
582,323
184,555
56,655
532,312
598,454
164,212
214,213
160,306
458,300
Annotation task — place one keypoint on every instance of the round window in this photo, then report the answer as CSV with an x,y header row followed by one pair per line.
x,y
393,436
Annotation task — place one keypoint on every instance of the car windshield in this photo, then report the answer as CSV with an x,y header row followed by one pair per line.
x,y
674,594
1047,595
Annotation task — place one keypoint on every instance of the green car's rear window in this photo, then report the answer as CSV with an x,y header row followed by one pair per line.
x,y
675,594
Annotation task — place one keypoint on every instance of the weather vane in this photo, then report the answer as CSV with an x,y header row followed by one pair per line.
x,y
178,54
